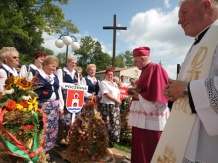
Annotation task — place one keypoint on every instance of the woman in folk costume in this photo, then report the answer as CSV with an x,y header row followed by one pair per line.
x,y
148,110
67,74
109,106
92,83
49,99
33,68
10,58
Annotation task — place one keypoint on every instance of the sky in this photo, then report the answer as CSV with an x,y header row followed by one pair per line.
x,y
152,23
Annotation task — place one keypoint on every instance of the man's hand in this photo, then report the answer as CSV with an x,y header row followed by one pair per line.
x,y
135,94
174,90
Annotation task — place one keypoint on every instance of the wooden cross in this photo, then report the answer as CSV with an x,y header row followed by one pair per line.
x,y
114,27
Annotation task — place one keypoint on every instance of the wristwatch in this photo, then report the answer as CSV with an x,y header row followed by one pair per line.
x,y
185,90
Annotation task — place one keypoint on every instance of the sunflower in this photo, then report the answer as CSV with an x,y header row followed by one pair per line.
x,y
22,83
9,81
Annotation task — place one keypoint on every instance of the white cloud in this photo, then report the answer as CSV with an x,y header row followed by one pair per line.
x,y
159,31
167,3
154,28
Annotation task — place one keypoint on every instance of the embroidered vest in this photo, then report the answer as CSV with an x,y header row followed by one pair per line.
x,y
91,87
30,69
68,79
7,72
45,92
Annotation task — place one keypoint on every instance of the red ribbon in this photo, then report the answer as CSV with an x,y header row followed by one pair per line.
x,y
18,143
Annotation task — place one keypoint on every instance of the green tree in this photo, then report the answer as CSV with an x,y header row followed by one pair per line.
x,y
127,59
119,61
25,59
62,59
24,21
91,52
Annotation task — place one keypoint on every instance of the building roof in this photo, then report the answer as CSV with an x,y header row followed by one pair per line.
x,y
117,69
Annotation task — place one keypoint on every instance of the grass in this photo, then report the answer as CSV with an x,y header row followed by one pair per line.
x,y
123,148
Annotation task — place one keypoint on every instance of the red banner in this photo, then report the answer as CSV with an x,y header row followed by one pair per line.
x,y
123,92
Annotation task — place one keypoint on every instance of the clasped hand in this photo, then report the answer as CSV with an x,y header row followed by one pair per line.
x,y
174,90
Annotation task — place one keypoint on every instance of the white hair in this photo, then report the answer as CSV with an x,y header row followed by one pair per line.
x,y
4,51
71,58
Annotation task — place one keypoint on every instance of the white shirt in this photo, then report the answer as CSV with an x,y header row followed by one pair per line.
x,y
111,88
24,71
60,75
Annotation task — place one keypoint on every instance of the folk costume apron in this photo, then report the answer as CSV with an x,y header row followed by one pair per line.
x,y
182,124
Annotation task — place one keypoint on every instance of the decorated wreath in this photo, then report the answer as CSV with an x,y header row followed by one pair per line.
x,y
22,123
88,136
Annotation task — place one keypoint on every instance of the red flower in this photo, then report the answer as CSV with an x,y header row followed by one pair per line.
x,y
45,92
10,105
27,127
24,104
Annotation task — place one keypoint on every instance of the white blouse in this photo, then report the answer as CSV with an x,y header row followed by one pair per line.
x,y
111,88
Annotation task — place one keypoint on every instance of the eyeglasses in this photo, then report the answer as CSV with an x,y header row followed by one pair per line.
x,y
73,63
15,57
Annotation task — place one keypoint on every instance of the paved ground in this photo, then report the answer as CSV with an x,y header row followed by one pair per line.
x,y
118,155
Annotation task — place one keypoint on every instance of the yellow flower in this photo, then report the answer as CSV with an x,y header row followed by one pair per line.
x,y
19,107
33,104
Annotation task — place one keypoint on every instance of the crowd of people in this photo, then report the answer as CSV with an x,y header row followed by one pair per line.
x,y
52,95
191,132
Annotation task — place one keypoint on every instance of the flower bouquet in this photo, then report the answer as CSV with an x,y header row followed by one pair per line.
x,y
88,137
22,123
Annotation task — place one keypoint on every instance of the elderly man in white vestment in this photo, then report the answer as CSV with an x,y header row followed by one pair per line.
x,y
191,133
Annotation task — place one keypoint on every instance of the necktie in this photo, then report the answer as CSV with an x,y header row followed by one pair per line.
x,y
48,79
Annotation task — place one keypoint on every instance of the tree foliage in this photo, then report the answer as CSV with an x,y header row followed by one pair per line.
x,y
125,59
62,59
119,61
24,21
91,52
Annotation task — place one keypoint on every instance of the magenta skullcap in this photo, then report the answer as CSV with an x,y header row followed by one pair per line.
x,y
141,51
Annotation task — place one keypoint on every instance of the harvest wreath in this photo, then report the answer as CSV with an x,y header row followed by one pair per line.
x,y
22,123
88,136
